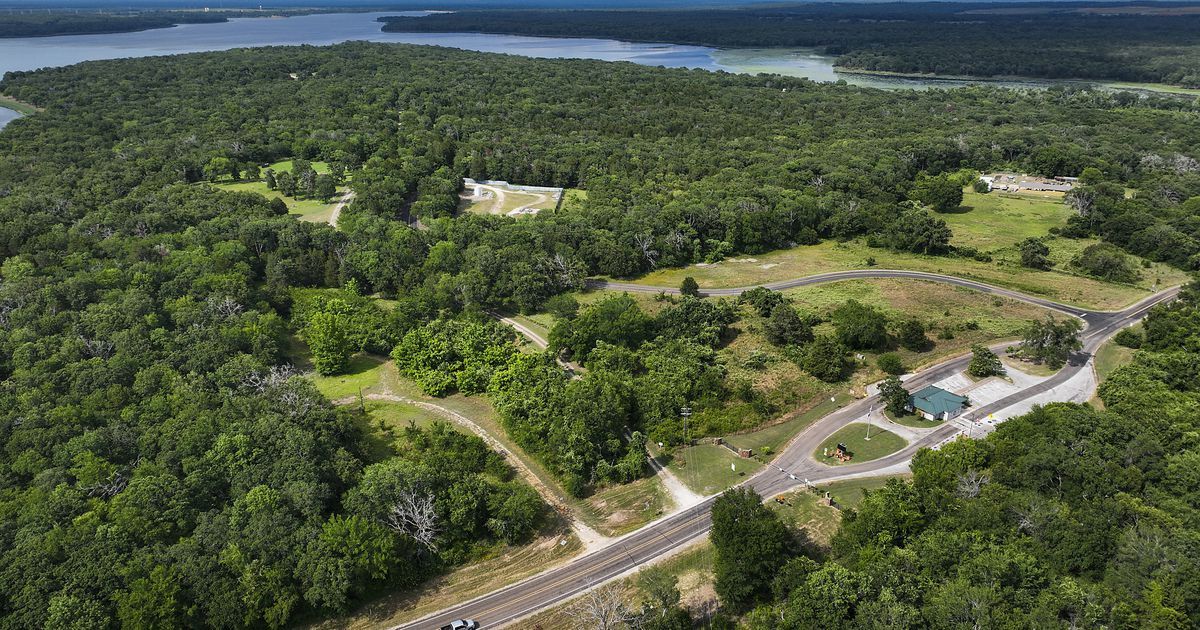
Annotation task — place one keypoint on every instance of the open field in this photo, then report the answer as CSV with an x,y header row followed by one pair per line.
x,y
363,375
313,210
322,168
854,436
835,256
706,468
998,219
626,507
573,197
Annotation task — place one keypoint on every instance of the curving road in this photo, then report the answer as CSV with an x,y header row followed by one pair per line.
x,y
857,274
793,465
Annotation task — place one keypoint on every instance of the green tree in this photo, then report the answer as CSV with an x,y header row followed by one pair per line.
x,y
689,287
890,363
785,327
1051,341
617,320
984,363
894,396
1106,261
325,188
1034,253
328,337
825,358
219,167
751,545
269,178
919,232
859,326
940,192
911,335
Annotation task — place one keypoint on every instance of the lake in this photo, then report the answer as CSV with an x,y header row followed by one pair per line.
x,y
40,52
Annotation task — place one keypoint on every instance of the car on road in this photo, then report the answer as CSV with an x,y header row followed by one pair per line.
x,y
461,624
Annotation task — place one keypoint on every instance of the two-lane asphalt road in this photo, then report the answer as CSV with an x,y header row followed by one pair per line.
x,y
661,537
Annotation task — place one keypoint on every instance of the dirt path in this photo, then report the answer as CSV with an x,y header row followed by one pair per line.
x,y
590,538
337,210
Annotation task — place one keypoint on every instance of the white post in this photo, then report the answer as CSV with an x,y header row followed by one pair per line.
x,y
869,412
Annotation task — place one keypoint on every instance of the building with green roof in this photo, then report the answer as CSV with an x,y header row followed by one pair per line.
x,y
935,403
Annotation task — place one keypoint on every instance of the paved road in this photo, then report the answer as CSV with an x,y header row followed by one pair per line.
x,y
659,538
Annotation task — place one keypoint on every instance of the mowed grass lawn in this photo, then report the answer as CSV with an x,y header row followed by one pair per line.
x,y
313,210
706,468
994,220
1005,271
854,436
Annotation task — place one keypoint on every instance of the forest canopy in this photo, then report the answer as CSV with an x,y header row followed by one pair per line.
x,y
162,465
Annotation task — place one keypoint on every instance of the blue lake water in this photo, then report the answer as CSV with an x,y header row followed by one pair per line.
x,y
40,52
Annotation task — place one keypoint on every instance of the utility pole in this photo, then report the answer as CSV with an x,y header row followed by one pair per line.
x,y
869,413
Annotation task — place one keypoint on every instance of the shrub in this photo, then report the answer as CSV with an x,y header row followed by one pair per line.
x,y
890,363
1129,338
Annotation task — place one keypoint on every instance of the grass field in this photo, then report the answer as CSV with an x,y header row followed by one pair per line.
x,y
365,373
834,256
573,197
322,168
994,220
1111,356
1108,358
312,210
853,435
626,507
705,468
912,420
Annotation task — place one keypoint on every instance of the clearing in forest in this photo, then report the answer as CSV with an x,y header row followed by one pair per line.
x,y
500,197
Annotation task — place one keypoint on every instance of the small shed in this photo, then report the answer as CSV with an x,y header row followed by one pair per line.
x,y
935,403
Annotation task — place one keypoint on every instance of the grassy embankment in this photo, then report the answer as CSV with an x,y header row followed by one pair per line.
x,y
25,109
313,210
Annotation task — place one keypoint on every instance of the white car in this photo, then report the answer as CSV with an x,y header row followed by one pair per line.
x,y
462,624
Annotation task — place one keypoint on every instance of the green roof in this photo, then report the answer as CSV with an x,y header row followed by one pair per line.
x,y
936,401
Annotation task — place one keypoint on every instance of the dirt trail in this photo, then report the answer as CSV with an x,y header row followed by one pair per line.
x,y
337,210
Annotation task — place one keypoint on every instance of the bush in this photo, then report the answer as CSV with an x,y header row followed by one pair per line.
x,y
890,363
689,287
1129,338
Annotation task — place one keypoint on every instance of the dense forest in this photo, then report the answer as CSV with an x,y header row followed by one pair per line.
x,y
1067,517
162,466
45,24
1057,41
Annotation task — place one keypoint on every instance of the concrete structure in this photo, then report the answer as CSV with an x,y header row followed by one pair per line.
x,y
935,403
